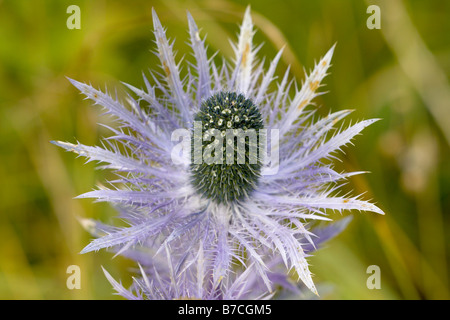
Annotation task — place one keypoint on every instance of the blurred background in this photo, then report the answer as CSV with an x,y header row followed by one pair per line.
x,y
398,73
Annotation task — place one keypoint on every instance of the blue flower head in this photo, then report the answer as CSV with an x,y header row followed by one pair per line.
x,y
225,213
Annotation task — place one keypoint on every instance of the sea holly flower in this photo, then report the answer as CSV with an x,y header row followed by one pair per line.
x,y
210,219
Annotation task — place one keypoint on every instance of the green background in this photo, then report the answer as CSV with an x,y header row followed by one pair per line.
x,y
398,73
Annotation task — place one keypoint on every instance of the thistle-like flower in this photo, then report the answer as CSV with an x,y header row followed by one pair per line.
x,y
198,226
